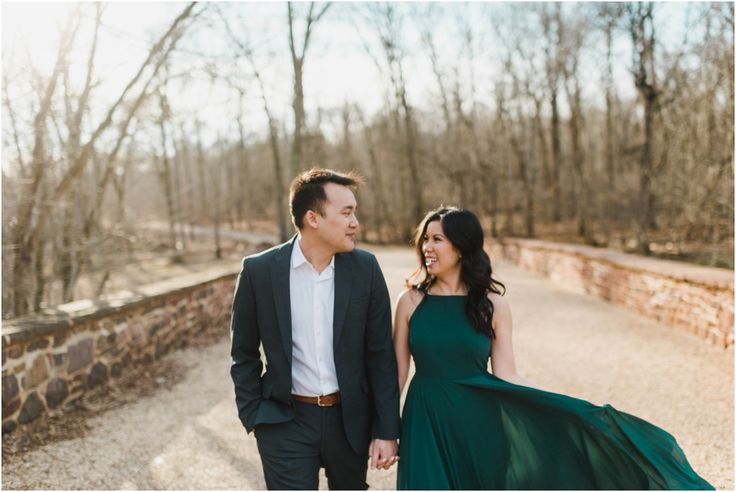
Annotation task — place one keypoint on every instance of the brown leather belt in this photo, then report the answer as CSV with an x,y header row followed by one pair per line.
x,y
322,401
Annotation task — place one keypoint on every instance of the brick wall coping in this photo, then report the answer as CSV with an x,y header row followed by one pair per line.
x,y
57,319
706,276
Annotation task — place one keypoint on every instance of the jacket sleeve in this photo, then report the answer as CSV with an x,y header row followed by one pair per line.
x,y
381,360
246,365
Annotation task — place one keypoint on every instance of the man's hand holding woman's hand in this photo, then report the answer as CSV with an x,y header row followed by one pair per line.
x,y
383,453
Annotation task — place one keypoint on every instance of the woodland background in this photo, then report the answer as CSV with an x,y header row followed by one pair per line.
x,y
609,124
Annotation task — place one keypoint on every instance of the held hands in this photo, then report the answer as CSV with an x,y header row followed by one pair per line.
x,y
383,453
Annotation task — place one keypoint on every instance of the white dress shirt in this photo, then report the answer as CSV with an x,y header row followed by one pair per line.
x,y
313,370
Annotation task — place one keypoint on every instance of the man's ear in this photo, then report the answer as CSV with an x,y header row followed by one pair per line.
x,y
310,219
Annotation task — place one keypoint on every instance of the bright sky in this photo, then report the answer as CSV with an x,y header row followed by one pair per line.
x,y
337,67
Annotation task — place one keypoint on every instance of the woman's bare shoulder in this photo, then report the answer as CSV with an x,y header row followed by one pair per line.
x,y
408,301
410,297
500,303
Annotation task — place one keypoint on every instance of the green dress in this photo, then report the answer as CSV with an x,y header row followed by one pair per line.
x,y
463,428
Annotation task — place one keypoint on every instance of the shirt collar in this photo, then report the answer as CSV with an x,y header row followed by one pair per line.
x,y
298,258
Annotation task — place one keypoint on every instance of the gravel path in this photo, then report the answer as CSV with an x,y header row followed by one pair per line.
x,y
188,436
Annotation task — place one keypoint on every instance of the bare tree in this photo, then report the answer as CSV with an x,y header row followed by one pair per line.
x,y
163,163
575,41
297,60
245,51
388,27
27,241
553,34
243,200
34,209
609,15
643,38
381,216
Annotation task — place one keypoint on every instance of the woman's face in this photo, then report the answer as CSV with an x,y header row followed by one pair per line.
x,y
440,256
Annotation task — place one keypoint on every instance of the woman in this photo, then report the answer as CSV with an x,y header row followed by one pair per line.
x,y
463,428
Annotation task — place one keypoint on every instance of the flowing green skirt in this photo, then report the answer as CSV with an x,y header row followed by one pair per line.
x,y
481,432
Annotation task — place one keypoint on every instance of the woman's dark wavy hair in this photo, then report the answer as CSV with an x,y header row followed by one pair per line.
x,y
462,228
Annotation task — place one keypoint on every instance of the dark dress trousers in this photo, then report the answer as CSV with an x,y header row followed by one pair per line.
x,y
364,360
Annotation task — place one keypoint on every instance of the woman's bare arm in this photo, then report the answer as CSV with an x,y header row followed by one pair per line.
x,y
502,351
404,309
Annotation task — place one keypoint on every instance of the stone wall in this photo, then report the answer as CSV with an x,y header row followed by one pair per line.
x,y
50,360
694,298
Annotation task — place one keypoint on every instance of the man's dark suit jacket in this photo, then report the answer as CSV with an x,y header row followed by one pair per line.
x,y
363,350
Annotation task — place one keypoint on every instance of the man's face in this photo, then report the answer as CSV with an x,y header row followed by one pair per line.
x,y
336,227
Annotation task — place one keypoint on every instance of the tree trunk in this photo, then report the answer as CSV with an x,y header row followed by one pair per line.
x,y
296,143
244,197
556,159
164,174
643,42
297,60
610,127
416,188
216,178
578,159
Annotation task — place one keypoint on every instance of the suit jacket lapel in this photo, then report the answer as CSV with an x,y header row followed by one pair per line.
x,y
343,284
280,270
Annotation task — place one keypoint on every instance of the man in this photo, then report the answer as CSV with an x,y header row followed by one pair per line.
x,y
320,310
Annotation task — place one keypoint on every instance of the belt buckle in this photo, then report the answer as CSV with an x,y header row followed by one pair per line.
x,y
320,404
